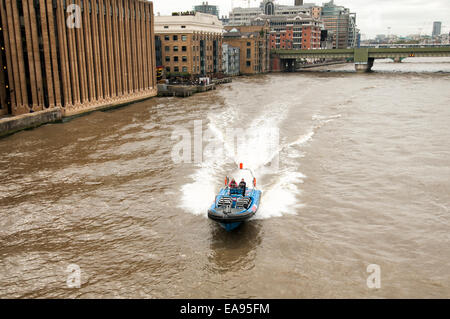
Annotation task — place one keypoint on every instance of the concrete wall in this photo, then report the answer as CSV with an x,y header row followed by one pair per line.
x,y
17,123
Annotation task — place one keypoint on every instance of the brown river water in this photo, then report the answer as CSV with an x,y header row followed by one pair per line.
x,y
363,178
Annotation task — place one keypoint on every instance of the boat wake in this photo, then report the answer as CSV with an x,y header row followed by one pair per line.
x,y
273,159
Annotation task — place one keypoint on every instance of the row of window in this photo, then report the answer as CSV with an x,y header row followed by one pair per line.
x,y
167,27
197,48
184,69
176,59
184,48
197,37
175,48
184,58
175,38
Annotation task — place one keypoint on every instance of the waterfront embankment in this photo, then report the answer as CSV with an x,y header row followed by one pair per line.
x,y
182,90
13,124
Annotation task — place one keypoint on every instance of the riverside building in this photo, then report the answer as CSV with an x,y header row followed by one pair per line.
x,y
342,23
108,58
191,43
252,42
297,26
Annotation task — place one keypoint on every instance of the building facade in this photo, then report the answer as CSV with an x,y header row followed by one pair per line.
x,y
106,59
437,28
191,44
316,12
342,23
230,60
207,8
252,43
245,16
326,39
291,27
299,32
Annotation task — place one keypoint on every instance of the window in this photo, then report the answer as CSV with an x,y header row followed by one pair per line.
x,y
166,37
185,69
183,27
167,48
166,27
184,59
248,44
167,58
175,38
176,69
168,69
184,48
249,63
175,59
184,38
175,48
249,53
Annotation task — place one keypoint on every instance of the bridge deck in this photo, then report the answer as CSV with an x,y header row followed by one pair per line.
x,y
365,53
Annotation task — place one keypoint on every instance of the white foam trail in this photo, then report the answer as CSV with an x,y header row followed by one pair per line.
x,y
280,189
198,196
282,197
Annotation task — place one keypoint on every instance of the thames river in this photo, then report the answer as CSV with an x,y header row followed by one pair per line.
x,y
362,178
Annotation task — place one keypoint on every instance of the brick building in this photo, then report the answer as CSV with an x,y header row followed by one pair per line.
x,y
299,32
283,39
46,63
191,43
253,43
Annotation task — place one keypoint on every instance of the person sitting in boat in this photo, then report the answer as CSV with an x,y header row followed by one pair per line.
x,y
243,186
234,190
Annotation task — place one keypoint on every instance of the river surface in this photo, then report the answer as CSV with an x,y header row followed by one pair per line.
x,y
359,175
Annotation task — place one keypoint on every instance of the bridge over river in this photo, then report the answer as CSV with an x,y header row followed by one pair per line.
x,y
285,60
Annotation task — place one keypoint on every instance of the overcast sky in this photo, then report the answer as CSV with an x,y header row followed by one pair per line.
x,y
373,16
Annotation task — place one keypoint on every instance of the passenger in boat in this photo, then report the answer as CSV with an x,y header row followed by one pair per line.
x,y
233,184
243,186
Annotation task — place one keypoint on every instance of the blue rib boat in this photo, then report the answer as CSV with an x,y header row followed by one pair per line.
x,y
232,206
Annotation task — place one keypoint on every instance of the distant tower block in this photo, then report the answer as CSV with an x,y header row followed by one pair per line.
x,y
298,2
437,27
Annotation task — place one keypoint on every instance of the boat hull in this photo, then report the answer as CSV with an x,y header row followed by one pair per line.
x,y
230,221
231,226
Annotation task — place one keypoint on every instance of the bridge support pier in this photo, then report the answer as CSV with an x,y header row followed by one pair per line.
x,y
398,60
275,63
289,65
364,67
